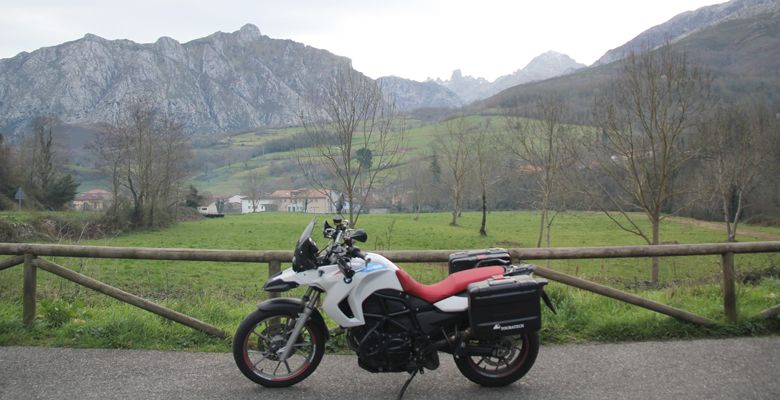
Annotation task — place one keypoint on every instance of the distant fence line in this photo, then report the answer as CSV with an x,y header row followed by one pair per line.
x,y
28,254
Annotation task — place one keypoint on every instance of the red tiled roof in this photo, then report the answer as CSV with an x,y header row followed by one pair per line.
x,y
94,194
299,193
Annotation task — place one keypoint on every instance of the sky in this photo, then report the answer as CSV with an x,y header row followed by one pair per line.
x,y
415,39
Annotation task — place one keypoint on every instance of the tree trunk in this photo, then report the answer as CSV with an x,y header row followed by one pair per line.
x,y
542,220
455,206
482,230
351,209
726,216
655,264
549,240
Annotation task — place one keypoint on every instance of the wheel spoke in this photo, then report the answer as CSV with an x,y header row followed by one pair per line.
x,y
289,371
258,362
260,335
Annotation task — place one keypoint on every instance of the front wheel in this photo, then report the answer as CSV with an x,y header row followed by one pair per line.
x,y
512,358
259,338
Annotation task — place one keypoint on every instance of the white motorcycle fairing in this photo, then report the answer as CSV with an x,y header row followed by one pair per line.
x,y
375,273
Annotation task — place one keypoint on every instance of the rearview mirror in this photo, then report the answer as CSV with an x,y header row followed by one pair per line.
x,y
358,234
327,230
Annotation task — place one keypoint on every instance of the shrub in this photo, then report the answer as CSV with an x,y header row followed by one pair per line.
x,y
56,313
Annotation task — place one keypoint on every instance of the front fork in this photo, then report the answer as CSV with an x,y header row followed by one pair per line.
x,y
310,302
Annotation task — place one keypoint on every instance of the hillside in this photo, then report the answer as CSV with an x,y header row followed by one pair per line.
x,y
742,53
687,23
220,83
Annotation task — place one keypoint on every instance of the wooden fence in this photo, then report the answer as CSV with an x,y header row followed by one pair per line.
x,y
30,255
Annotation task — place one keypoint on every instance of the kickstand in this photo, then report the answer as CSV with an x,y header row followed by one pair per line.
x,y
406,385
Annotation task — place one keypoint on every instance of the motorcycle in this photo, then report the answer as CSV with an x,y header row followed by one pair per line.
x,y
487,317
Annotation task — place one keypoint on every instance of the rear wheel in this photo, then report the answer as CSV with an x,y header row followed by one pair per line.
x,y
512,358
259,338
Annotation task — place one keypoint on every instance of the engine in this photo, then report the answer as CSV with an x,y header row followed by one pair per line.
x,y
387,340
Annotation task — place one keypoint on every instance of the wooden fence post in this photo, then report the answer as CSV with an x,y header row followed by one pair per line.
x,y
729,291
274,266
28,291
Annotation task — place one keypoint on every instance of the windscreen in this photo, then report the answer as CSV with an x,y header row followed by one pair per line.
x,y
306,233
305,254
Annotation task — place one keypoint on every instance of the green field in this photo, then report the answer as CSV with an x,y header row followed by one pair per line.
x,y
222,293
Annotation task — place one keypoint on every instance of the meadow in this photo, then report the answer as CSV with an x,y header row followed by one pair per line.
x,y
223,293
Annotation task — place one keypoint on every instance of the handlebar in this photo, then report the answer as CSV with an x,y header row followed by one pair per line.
x,y
340,252
348,272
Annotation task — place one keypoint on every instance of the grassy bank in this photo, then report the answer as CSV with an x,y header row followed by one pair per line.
x,y
223,293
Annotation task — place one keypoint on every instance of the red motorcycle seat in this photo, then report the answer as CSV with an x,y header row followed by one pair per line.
x,y
450,286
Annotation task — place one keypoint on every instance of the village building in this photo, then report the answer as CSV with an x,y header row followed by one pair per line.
x,y
92,200
311,201
245,205
258,205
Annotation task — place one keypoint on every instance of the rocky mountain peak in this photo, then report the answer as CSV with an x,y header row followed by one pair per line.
x,y
543,66
170,47
410,95
248,33
165,41
93,38
553,61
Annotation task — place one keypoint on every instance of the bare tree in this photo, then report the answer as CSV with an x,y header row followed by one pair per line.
x,y
644,116
737,144
540,143
414,180
485,148
252,186
453,146
145,155
352,137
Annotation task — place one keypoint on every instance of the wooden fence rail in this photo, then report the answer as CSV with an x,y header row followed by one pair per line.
x,y
28,254
554,253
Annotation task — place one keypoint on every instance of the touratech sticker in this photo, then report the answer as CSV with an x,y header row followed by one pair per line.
x,y
498,327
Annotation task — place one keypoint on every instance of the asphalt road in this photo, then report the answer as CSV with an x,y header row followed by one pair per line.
x,y
744,368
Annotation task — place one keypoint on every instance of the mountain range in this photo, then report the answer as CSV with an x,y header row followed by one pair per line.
x,y
543,66
242,80
220,83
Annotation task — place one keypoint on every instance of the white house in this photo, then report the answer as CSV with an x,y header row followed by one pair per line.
x,y
261,205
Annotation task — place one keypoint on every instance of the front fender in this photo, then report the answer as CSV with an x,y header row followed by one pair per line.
x,y
294,306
